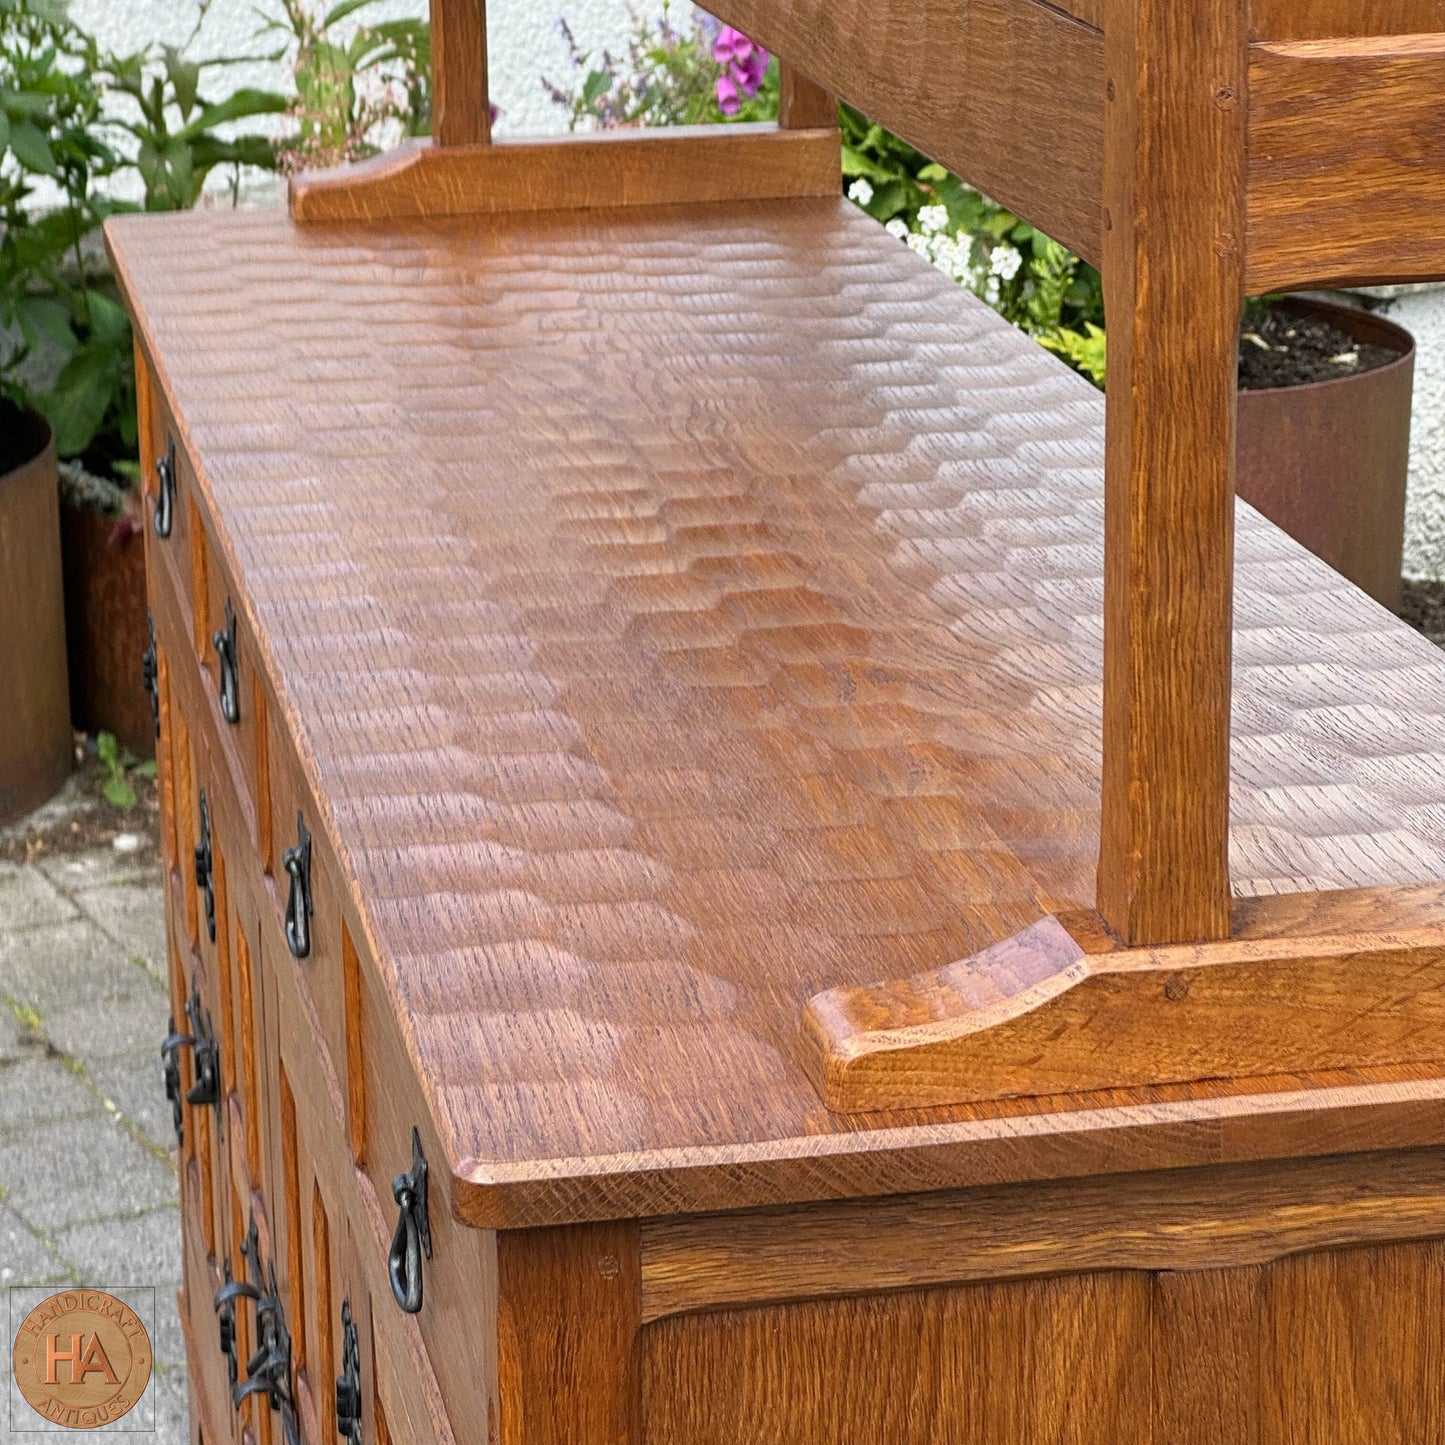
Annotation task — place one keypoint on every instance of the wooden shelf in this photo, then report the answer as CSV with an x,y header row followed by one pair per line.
x,y
691,610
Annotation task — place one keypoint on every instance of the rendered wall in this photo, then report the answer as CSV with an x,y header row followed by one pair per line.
x,y
524,41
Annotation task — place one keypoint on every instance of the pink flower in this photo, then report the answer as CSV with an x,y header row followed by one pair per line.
x,y
744,65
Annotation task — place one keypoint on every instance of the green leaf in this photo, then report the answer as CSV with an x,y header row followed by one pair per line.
x,y
30,147
45,316
109,323
77,405
118,792
185,78
340,11
238,106
146,769
597,84
107,747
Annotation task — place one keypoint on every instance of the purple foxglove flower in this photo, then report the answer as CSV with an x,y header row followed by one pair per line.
x,y
728,99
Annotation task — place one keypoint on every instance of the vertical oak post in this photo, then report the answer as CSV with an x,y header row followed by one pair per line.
x,y
461,108
802,104
1173,283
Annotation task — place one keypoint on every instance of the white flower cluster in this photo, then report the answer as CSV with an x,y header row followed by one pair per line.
x,y
983,268
860,192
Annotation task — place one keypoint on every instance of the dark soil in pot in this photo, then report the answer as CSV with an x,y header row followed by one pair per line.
x,y
23,436
1285,347
1422,605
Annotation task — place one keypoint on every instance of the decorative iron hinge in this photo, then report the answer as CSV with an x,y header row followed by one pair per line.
x,y
268,1371
348,1382
150,672
205,1059
164,517
205,875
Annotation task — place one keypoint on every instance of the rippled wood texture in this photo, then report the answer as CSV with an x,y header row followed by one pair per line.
x,y
683,612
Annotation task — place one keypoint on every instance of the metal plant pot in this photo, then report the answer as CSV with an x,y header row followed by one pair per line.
x,y
105,615
1327,461
35,739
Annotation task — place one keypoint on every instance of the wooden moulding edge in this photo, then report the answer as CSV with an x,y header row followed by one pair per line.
x,y
1036,1016
671,166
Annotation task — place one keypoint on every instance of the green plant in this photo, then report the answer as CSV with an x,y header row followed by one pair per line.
x,y
698,74
176,139
120,765
65,341
67,334
355,82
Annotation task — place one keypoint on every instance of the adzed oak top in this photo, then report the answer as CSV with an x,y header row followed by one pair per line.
x,y
688,610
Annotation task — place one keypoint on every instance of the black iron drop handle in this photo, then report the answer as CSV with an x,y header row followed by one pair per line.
x,y
150,672
413,1231
224,641
348,1382
205,878
165,490
297,863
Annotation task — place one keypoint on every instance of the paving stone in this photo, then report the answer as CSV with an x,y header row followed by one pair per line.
x,y
55,1175
49,969
42,1088
23,1260
28,899
173,1419
133,1083
134,915
108,1026
98,868
16,1042
142,1250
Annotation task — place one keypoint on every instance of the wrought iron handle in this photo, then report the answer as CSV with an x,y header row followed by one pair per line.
x,y
348,1382
165,490
150,672
205,877
224,641
413,1231
225,1307
297,863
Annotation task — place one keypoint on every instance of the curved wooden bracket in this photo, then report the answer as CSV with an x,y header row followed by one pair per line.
x,y
1037,1016
682,165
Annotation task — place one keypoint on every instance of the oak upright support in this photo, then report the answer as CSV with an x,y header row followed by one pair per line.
x,y
461,106
1173,282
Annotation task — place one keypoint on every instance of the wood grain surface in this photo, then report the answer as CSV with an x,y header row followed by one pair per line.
x,y
1346,161
805,694
1184,1220
1035,1015
677,165
1174,140
461,109
1032,137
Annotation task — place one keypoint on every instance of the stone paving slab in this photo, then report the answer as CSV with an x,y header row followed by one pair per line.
x,y
87,1174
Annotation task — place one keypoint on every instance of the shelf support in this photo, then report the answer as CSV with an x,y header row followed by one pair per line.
x,y
1175,111
802,104
461,107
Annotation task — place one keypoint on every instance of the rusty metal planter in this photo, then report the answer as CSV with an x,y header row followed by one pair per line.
x,y
105,617
1328,461
35,740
